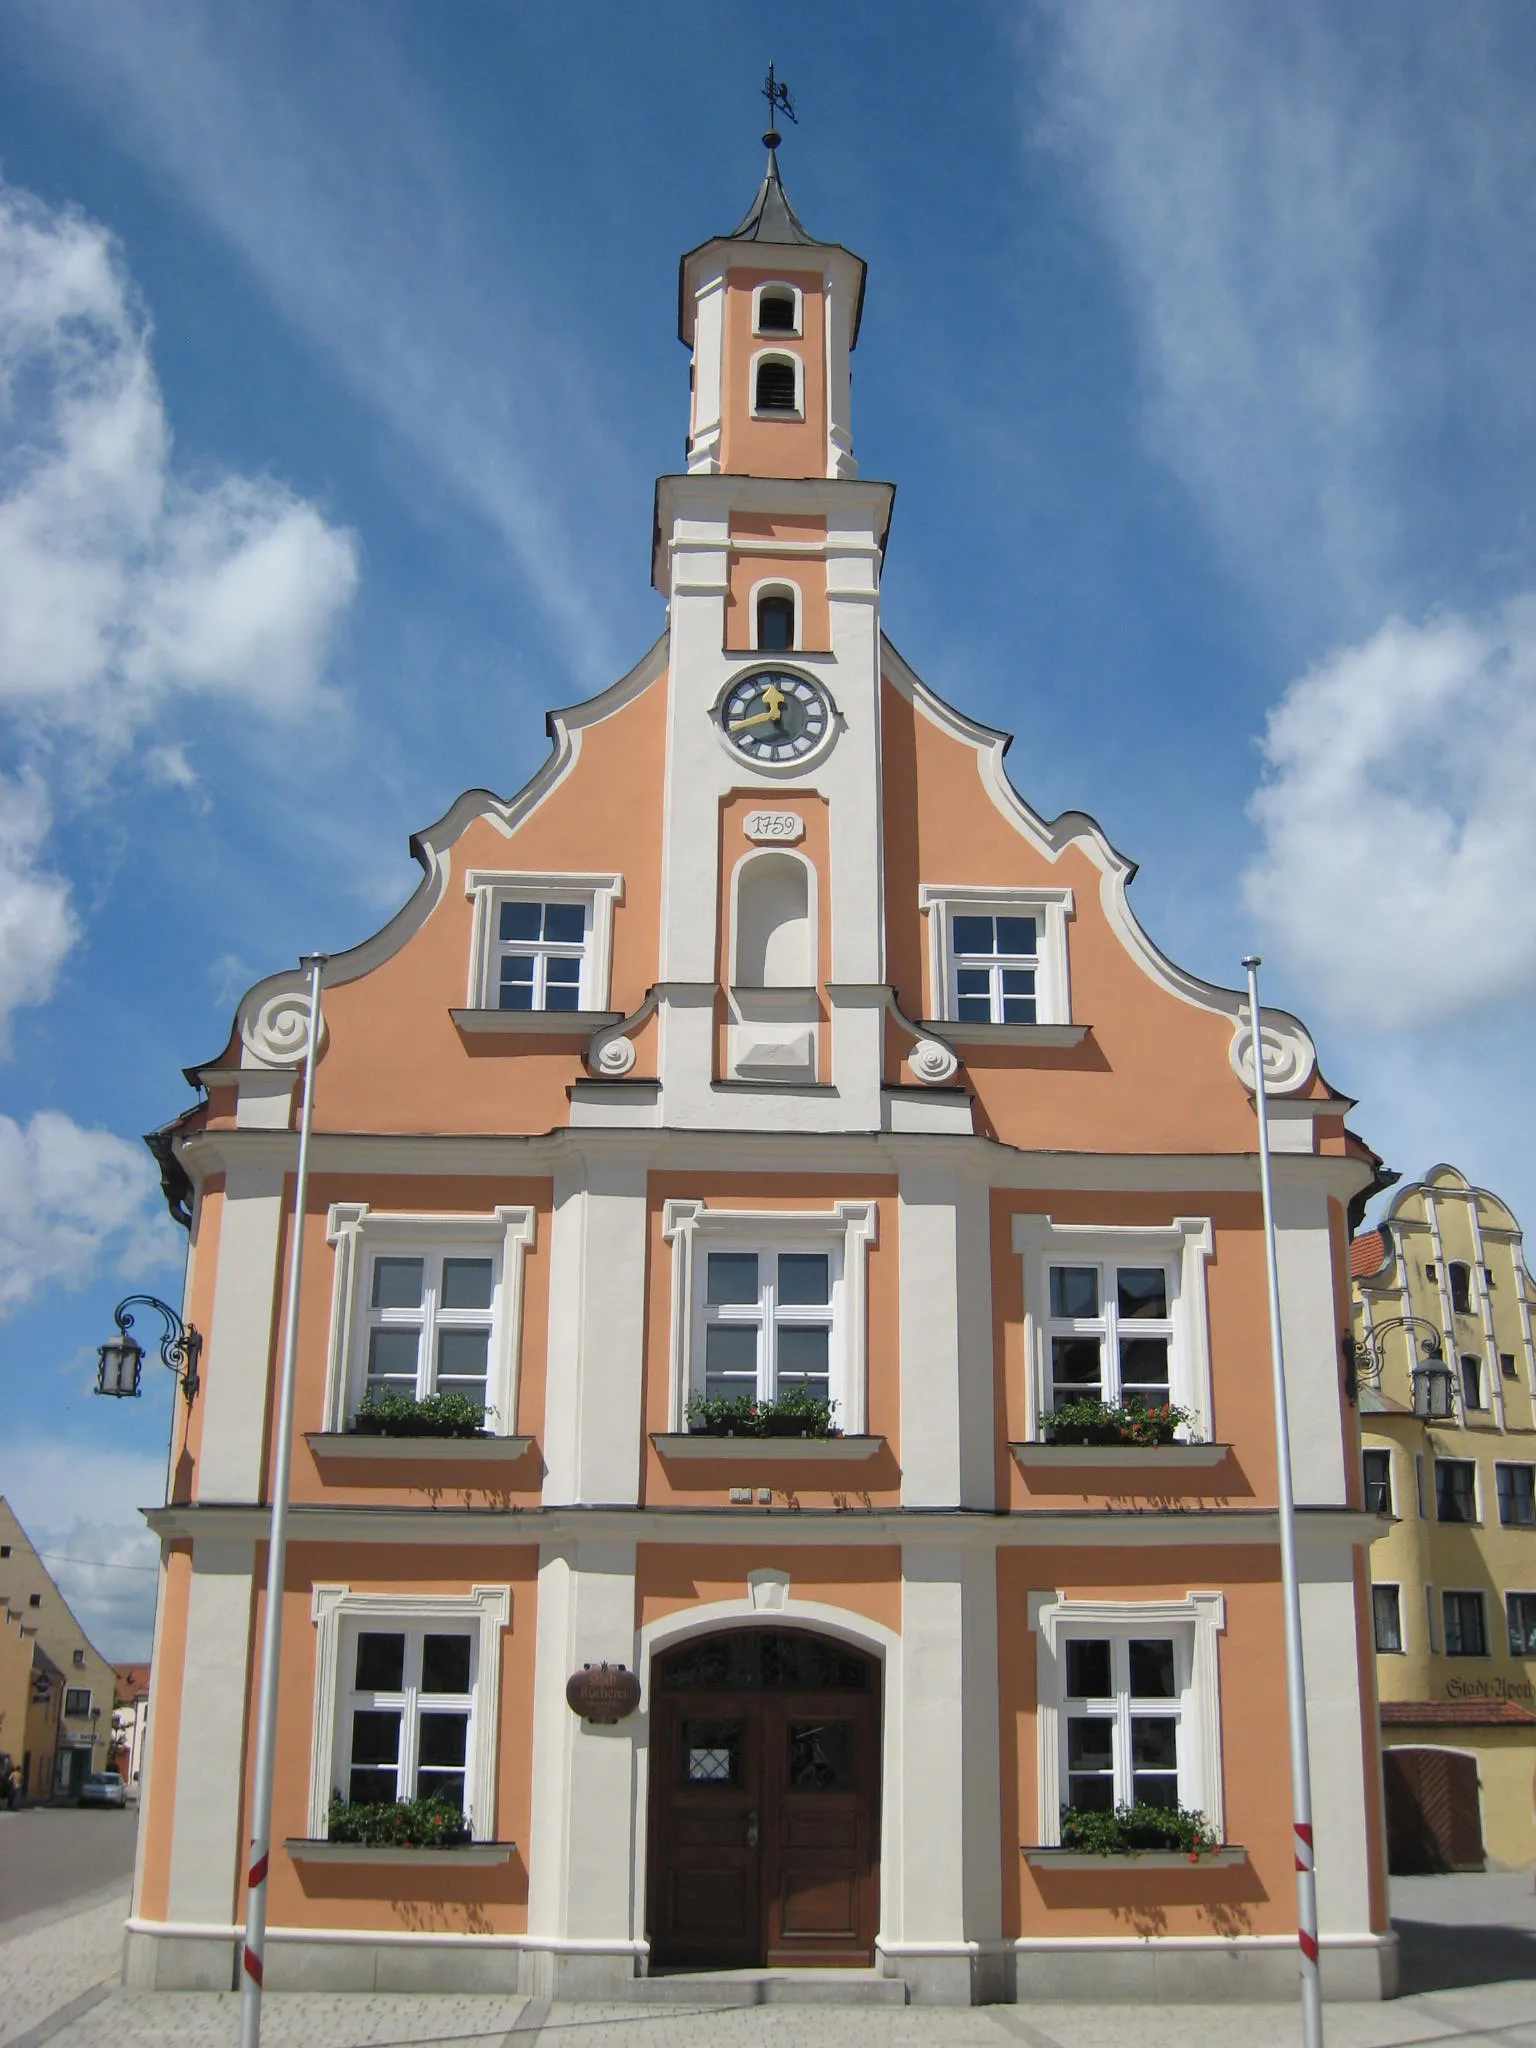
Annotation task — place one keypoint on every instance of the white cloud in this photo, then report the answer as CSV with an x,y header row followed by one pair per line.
x,y
1399,823
80,1507
37,926
70,1199
121,581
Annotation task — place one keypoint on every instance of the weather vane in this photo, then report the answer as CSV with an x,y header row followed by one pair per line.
x,y
779,102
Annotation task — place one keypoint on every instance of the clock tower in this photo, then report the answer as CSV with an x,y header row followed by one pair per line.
x,y
768,549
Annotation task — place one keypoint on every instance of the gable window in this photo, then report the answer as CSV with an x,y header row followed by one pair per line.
x,y
34,1599
1455,1490
79,1660
1471,1381
1111,1334
1128,1708
406,1698
769,1304
1387,1618
1378,1481
1520,1614
776,386
1466,1628
1461,1287
541,943
1507,1364
775,623
426,1305
997,957
778,309
1517,1495
77,1703
1115,1315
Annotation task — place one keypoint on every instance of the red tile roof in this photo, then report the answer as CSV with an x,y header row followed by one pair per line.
x,y
132,1680
1455,1714
1366,1254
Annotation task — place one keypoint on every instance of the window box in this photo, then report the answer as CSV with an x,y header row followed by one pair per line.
x,y
1099,1423
758,1450
1040,1857
794,1414
437,1415
1047,1456
346,1448
305,1849
971,1031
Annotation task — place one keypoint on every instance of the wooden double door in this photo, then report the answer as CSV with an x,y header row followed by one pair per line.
x,y
765,1803
1433,1818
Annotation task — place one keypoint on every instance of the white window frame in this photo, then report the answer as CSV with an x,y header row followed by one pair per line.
x,y
1514,1593
1184,1246
1395,1587
1516,1465
339,1615
1480,1366
1477,1491
1462,1593
845,1231
778,284
489,888
782,355
76,1713
1383,1451
1104,1329
1195,1622
776,586
942,902
357,1232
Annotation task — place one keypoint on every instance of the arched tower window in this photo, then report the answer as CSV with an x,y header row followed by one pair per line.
x,y
776,622
774,943
776,387
776,310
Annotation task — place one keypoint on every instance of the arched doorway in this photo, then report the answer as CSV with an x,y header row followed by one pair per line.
x,y
764,1802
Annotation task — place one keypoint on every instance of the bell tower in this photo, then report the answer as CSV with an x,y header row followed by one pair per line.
x,y
768,548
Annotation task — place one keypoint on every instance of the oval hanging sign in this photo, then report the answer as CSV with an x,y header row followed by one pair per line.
x,y
602,1692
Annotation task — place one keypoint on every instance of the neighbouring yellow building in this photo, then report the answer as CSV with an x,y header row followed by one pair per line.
x,y
1454,1579
69,1724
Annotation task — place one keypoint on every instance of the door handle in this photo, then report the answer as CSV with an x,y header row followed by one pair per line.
x,y
752,1829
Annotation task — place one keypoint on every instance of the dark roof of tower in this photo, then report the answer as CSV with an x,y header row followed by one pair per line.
x,y
771,219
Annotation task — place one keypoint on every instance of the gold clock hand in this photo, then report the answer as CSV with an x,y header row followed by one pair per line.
x,y
773,697
759,718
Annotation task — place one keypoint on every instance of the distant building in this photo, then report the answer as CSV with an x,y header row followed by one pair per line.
x,y
1454,1581
68,1737
15,1691
130,1719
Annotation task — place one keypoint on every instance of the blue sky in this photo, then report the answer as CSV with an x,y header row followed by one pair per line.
x,y
337,356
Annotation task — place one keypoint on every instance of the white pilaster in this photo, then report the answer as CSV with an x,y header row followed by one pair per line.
x,y
944,1284
1311,1321
582,1850
205,1845
1337,1739
238,1358
596,1348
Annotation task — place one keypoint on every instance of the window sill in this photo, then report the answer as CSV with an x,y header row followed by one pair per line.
x,y
304,1849
1172,1457
777,1450
1146,1859
336,1449
958,1032
538,1023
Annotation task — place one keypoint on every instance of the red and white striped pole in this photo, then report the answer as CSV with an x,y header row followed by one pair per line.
x,y
1295,1670
254,1945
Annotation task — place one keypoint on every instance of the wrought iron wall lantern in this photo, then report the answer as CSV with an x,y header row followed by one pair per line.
x,y
121,1358
1433,1387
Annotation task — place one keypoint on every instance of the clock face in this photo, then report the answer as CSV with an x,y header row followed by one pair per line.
x,y
773,715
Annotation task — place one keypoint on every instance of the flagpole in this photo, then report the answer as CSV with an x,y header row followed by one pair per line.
x,y
253,1947
1295,1670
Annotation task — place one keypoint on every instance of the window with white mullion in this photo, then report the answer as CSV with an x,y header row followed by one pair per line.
x,y
994,962
1121,1721
767,1323
429,1322
539,954
1110,1334
406,1726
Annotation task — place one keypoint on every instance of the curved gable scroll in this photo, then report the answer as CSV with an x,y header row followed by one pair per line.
x,y
1290,1057
272,1017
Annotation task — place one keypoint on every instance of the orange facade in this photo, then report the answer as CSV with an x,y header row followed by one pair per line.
x,y
767,1125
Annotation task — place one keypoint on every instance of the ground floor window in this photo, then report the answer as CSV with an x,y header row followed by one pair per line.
x,y
1520,1610
1121,1722
408,1714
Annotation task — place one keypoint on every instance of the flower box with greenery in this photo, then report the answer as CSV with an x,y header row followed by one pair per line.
x,y
1133,1830
453,1415
796,1414
430,1823
1091,1421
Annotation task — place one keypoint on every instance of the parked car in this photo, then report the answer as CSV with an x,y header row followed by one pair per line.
x,y
103,1788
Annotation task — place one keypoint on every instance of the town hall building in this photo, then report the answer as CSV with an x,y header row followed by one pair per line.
x,y
843,1225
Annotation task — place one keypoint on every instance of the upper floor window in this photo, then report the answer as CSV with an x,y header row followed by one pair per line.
x,y
776,386
34,1599
1386,1615
1517,1495
1466,1624
997,957
775,622
778,309
541,943
79,1660
1507,1364
1378,1481
1455,1490
426,1305
77,1703
1116,1315
1472,1395
770,1304
1461,1287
